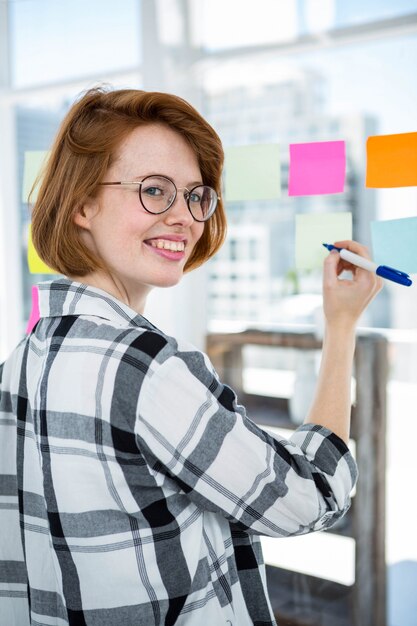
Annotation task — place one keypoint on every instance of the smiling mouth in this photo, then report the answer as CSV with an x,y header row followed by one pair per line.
x,y
167,252
166,244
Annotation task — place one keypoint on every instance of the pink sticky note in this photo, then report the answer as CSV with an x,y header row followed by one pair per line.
x,y
317,168
34,314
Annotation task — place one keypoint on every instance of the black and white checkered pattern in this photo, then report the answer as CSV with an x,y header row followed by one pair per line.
x,y
133,487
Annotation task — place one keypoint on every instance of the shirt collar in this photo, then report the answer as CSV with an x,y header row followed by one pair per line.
x,y
63,296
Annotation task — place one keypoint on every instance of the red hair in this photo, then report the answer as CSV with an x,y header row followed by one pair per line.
x,y
84,149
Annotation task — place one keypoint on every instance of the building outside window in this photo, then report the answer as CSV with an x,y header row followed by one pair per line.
x,y
299,71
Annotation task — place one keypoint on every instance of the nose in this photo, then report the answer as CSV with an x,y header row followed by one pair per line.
x,y
179,211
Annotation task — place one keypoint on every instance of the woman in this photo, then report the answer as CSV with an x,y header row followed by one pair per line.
x,y
137,488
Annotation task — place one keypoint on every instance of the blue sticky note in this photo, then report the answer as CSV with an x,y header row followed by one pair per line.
x,y
394,243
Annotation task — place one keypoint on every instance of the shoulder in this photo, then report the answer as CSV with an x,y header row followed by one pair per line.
x,y
170,354
178,370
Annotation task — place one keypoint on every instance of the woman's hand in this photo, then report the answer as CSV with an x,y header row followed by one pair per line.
x,y
345,300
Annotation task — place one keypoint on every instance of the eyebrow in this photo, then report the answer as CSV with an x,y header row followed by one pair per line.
x,y
195,183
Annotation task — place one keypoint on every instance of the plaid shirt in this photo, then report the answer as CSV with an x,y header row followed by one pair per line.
x,y
133,487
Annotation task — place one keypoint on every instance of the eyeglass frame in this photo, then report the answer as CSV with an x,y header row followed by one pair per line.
x,y
186,198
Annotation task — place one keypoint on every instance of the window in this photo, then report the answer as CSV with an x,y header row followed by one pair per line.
x,y
87,39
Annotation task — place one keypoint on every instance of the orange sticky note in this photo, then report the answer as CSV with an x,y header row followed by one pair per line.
x,y
392,160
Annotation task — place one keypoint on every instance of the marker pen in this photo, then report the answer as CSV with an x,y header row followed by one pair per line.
x,y
382,270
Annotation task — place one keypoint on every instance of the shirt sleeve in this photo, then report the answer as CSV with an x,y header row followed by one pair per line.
x,y
192,423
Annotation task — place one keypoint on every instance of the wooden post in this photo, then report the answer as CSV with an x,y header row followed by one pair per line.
x,y
369,599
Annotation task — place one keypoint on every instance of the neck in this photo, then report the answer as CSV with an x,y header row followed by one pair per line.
x,y
110,284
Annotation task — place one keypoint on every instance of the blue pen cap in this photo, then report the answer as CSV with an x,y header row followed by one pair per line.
x,y
395,275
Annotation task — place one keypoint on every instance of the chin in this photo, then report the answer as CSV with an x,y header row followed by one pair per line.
x,y
167,281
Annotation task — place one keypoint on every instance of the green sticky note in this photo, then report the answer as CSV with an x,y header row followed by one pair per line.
x,y
252,172
33,163
314,229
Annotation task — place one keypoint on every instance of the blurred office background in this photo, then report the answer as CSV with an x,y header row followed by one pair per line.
x,y
282,71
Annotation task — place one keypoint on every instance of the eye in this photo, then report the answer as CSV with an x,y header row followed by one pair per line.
x,y
153,191
195,197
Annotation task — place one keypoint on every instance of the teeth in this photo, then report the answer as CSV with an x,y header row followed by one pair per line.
x,y
175,246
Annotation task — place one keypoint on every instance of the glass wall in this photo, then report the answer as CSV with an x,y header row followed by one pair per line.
x,y
262,73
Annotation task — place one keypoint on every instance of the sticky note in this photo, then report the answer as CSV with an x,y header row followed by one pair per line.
x,y
394,243
32,166
317,168
252,172
34,314
36,265
314,229
391,160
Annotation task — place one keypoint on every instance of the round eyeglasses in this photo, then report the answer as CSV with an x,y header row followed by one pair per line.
x,y
157,194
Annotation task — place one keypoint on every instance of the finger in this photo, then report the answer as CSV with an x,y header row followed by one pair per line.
x,y
350,267
330,268
358,273
379,284
353,246
345,265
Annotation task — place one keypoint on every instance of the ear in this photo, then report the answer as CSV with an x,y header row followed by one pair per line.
x,y
84,214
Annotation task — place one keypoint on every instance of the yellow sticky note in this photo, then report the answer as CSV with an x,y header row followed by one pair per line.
x,y
33,163
314,229
36,265
252,172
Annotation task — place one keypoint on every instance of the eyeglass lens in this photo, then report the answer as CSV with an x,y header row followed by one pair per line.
x,y
158,193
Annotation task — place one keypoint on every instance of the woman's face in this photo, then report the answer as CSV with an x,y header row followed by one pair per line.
x,y
129,239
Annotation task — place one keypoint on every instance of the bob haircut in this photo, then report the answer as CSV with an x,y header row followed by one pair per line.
x,y
84,149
